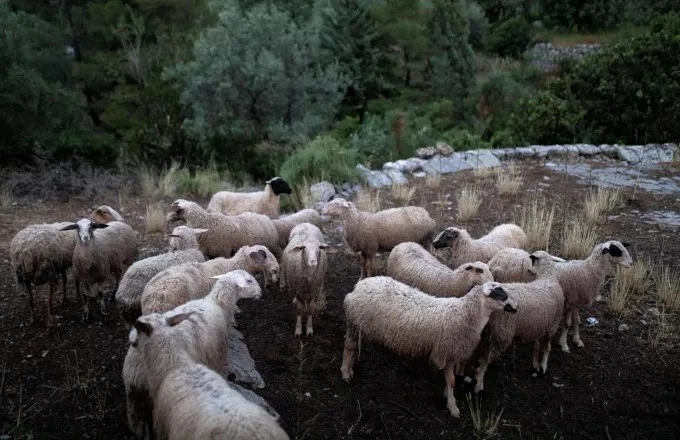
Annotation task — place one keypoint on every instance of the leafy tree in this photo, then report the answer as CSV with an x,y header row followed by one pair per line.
x,y
511,37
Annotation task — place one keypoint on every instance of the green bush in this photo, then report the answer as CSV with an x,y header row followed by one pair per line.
x,y
323,158
503,139
372,141
510,37
478,24
345,128
462,139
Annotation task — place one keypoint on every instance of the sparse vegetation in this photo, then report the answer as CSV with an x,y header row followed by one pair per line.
x,y
621,291
536,218
484,424
368,200
301,197
508,179
403,193
668,287
155,218
599,202
433,180
6,197
484,172
469,201
578,239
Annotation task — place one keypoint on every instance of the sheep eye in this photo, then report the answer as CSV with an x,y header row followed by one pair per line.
x,y
478,270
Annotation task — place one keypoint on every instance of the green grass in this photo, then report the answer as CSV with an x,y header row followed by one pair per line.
x,y
562,38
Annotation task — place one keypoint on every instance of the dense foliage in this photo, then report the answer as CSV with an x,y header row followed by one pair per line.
x,y
298,86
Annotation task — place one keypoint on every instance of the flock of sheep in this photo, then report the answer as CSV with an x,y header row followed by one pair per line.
x,y
180,305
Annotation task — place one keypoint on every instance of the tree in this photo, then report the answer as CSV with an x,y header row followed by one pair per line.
x,y
452,69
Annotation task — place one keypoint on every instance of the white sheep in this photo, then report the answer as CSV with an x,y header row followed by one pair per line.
x,y
129,294
512,265
205,335
39,254
581,281
414,323
99,256
303,267
261,202
465,249
411,264
286,224
105,214
178,284
226,234
369,233
540,306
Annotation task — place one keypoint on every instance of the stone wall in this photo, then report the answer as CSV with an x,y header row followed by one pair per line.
x,y
546,56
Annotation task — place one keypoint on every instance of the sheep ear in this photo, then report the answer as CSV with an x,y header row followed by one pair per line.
x,y
176,319
498,293
133,337
345,204
296,249
625,244
98,225
175,206
479,270
534,259
69,227
328,248
257,257
615,251
605,251
143,327
242,282
469,267
199,231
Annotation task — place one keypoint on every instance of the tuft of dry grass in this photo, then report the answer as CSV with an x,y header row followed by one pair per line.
x,y
301,198
6,196
469,201
599,202
578,239
155,218
623,288
368,200
484,172
403,193
433,180
668,287
508,179
484,424
169,180
148,180
537,219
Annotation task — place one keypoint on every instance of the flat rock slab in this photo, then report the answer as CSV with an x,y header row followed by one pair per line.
x,y
445,165
374,179
240,364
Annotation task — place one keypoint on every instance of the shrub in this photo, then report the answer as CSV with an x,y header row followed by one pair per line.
x,y
511,37
478,24
461,139
372,141
578,239
322,158
345,128
469,201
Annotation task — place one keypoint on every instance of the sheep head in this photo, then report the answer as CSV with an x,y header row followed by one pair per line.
x,y
311,251
337,207
279,186
86,228
618,254
446,238
260,258
105,214
495,297
244,283
542,262
177,210
478,273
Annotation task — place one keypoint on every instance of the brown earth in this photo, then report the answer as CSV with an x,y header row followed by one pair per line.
x,y
622,385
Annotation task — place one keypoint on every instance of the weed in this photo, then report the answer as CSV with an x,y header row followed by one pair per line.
x,y
578,239
368,201
509,180
484,172
484,425
668,287
433,180
537,219
599,202
155,218
6,196
469,201
403,193
622,290
301,197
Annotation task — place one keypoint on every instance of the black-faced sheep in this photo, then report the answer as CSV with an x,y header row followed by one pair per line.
x,y
261,202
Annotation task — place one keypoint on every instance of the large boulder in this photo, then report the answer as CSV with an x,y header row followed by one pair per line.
x,y
322,191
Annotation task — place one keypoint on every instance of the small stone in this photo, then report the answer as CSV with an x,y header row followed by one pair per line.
x,y
467,379
426,152
444,149
654,311
643,322
624,328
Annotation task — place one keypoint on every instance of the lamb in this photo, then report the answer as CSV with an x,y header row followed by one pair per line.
x,y
261,202
205,334
540,305
105,214
512,265
414,323
286,224
226,234
178,284
98,256
369,233
465,249
411,264
581,281
39,254
304,264
129,294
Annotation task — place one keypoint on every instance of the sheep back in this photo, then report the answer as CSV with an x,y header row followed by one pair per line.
x,y
304,281
39,253
286,224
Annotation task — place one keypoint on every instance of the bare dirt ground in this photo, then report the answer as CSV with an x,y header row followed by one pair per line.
x,y
622,385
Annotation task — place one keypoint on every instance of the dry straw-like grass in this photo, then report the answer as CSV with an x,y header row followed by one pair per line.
x,y
508,179
623,288
155,218
599,202
484,172
469,201
578,239
6,196
403,193
484,424
368,200
668,287
433,181
302,195
537,219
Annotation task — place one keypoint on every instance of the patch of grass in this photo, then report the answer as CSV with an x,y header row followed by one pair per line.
x,y
155,218
578,239
536,219
622,290
484,172
484,424
148,179
668,287
403,193
469,201
508,179
6,195
660,331
368,200
300,198
433,180
599,202
558,38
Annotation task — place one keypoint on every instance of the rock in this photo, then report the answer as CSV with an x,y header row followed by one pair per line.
x,y
257,400
444,149
525,152
654,312
481,159
624,328
322,191
588,149
374,179
241,365
426,152
445,165
397,177
419,174
405,165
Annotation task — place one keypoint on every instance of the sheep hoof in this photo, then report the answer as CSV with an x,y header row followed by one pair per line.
x,y
579,344
298,333
565,349
310,332
85,316
479,388
347,374
455,412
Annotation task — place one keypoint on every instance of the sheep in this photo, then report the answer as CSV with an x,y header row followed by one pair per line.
x,y
39,254
411,264
304,264
581,281
129,294
465,249
105,214
227,234
512,265
178,284
286,224
369,233
540,306
261,202
206,335
414,323
98,256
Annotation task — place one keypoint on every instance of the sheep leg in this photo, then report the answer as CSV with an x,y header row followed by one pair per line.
x,y
534,360
565,330
311,307
112,297
63,286
576,337
363,265
86,304
450,384
31,306
546,353
349,354
480,371
50,317
298,312
368,261
78,289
